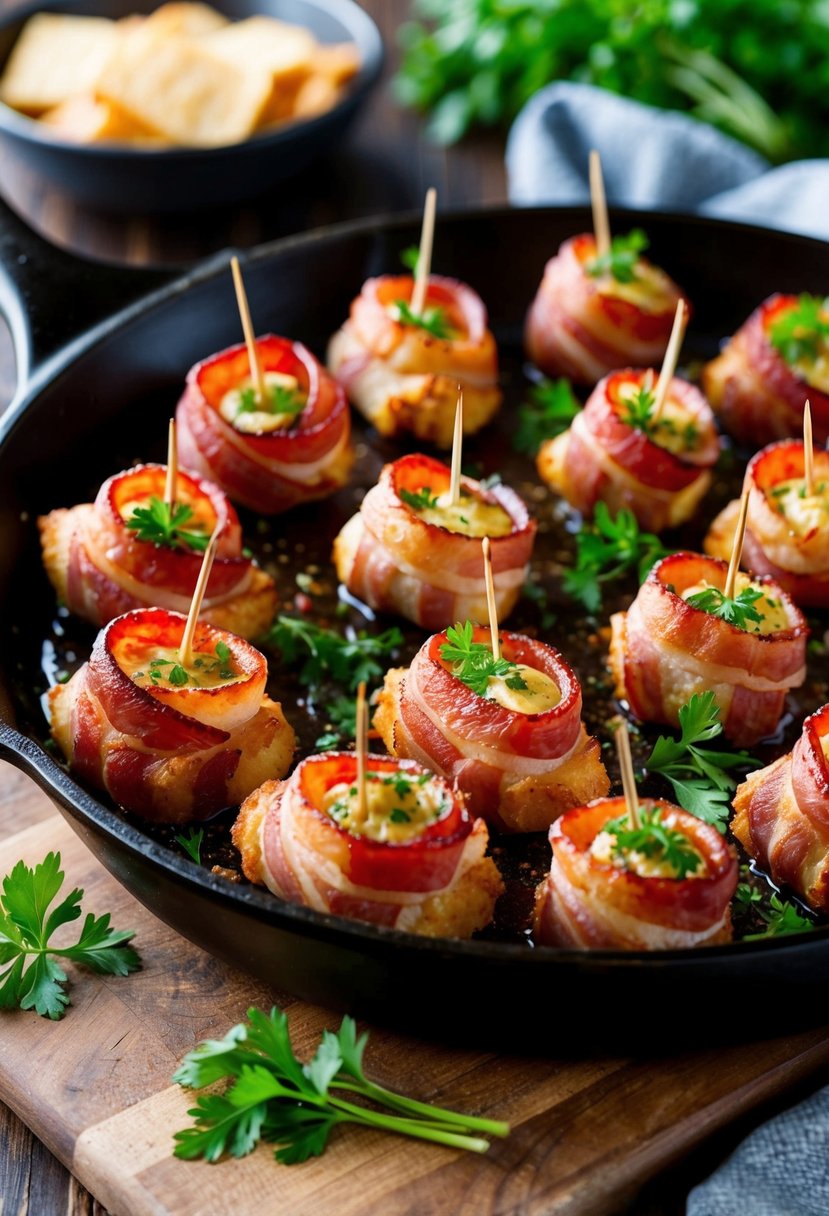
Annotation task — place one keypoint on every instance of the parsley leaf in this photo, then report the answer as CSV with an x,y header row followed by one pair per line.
x,y
607,549
164,526
342,715
474,664
419,500
620,261
701,779
325,654
637,409
798,333
281,400
551,407
34,979
410,257
192,843
433,320
738,610
273,1097
781,916
655,840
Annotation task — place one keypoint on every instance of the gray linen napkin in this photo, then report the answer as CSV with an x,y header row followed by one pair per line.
x,y
655,159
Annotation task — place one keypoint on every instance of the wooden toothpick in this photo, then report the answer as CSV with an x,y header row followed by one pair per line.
x,y
256,373
490,600
185,650
628,777
598,201
671,359
457,454
424,257
172,466
808,451
737,547
361,744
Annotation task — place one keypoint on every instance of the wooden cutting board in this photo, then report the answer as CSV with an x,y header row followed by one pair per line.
x,y
95,1087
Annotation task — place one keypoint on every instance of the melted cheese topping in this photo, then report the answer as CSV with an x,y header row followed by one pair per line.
x,y
257,421
771,609
151,666
650,291
634,862
814,371
469,517
804,513
824,745
542,692
676,430
398,807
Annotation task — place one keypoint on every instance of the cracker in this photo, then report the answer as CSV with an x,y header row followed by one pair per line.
x,y
55,58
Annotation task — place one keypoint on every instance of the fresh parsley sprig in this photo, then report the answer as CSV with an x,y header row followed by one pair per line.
x,y
324,654
281,400
655,840
192,843
341,714
274,1097
163,525
607,549
620,260
419,500
433,320
474,664
550,408
637,409
410,257
781,916
799,332
33,978
702,779
737,610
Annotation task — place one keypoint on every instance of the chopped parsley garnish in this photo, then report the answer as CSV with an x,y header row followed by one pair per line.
x,y
433,320
701,778
620,261
551,407
192,843
473,662
202,665
281,400
637,411
655,840
33,978
738,610
341,713
607,549
781,916
419,500
164,525
398,815
270,1095
324,654
799,332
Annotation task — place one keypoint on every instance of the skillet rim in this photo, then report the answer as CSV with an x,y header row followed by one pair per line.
x,y
84,810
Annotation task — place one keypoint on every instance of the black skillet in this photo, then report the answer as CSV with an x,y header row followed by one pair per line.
x,y
89,405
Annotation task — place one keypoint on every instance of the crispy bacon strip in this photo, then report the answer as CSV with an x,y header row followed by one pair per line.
x,y
100,569
267,472
404,379
757,396
582,327
518,771
603,458
592,905
170,754
799,563
663,650
439,884
396,561
782,815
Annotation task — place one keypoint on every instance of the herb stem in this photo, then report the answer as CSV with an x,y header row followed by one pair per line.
x,y
410,1127
387,1097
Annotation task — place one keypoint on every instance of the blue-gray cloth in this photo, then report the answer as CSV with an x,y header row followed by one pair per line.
x,y
655,159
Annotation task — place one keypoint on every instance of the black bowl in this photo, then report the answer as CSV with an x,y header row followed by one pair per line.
x,y
110,177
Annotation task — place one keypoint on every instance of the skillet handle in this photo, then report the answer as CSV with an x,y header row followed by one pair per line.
x,y
48,296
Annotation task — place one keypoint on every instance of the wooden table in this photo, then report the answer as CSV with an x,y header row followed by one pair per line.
x,y
384,166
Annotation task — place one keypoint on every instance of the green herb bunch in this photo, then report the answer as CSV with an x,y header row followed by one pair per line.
x,y
550,408
654,840
799,332
621,259
474,664
607,549
739,610
165,526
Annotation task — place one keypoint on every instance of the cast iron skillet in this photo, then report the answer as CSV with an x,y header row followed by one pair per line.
x,y
84,398
113,178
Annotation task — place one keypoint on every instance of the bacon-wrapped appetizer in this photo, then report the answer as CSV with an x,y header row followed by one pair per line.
x,y
172,742
594,314
507,732
776,361
410,857
272,454
410,551
787,533
619,452
615,886
782,815
402,368
131,549
682,635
